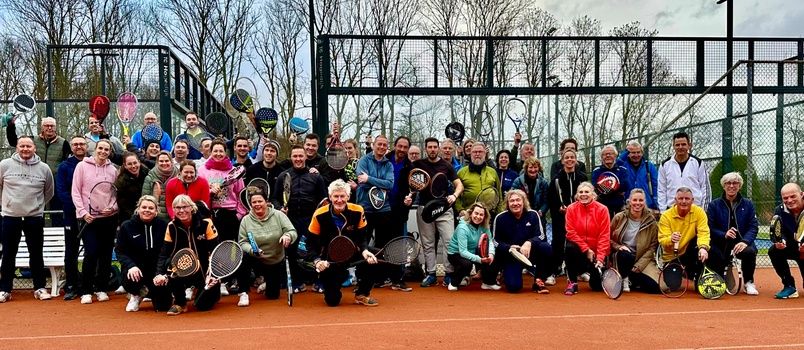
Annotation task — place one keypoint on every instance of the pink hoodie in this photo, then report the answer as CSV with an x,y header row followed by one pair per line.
x,y
229,197
87,175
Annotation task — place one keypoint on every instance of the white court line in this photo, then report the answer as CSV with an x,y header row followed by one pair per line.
x,y
746,347
439,320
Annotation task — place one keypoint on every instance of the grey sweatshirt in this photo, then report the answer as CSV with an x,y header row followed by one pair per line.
x,y
25,186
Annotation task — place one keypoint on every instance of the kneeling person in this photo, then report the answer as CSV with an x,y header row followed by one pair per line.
x,y
463,246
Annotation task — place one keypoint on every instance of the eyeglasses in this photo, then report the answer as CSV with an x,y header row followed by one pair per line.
x,y
732,183
48,126
182,208
79,144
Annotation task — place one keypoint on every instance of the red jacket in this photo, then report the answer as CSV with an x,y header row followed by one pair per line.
x,y
198,191
589,227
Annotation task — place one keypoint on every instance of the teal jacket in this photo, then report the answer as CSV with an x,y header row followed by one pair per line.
x,y
464,241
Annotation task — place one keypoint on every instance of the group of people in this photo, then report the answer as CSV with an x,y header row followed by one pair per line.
x,y
171,196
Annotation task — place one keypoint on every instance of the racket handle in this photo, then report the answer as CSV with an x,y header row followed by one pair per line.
x,y
675,248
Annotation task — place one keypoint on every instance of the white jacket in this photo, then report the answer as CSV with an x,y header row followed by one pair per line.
x,y
695,177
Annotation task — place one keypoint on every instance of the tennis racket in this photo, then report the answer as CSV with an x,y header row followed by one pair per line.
x,y
266,119
520,257
24,103
152,132
224,260
377,197
241,101
485,123
455,132
560,195
489,197
674,277
254,247
418,180
710,284
217,123
612,282
439,185
340,250
233,175
516,110
156,190
733,275
776,229
398,251
290,279
126,109
337,158
184,263
483,246
298,125
607,182
373,114
102,197
286,183
99,107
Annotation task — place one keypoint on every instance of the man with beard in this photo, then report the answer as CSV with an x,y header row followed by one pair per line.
x,y
268,169
476,177
193,131
96,132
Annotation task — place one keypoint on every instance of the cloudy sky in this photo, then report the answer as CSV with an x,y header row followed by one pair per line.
x,y
752,18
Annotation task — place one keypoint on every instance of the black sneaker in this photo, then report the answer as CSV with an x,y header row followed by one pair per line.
x,y
401,286
70,293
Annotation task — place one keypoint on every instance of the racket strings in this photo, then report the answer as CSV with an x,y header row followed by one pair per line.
x,y
612,283
401,251
489,198
341,249
225,259
337,157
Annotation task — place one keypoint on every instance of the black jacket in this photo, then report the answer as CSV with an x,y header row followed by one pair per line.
x,y
139,244
129,190
398,208
306,191
260,171
323,229
202,235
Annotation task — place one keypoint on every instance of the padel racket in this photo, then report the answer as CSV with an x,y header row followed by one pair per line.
x,y
241,101
102,197
489,197
800,232
455,132
710,284
607,182
776,229
217,123
483,246
398,251
256,185
184,263
266,119
516,110
99,107
152,132
485,122
733,275
286,185
24,103
298,125
254,247
612,283
377,197
340,250
337,158
224,260
418,180
290,279
195,140
520,257
126,109
674,277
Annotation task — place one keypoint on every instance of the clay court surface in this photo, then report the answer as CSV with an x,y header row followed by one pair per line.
x,y
427,318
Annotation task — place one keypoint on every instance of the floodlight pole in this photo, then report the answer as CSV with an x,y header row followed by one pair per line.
x,y
728,123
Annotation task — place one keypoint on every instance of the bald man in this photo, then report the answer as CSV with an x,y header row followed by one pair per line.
x,y
788,249
150,118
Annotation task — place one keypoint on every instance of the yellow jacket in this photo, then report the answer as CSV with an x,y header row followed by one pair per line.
x,y
694,224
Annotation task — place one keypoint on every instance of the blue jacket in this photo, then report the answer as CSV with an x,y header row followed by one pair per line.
x,y
538,194
381,174
194,153
718,215
615,199
64,186
507,178
789,225
645,177
508,230
166,144
465,239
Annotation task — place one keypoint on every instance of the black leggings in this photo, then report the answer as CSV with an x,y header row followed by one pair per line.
x,y
463,267
625,262
98,245
274,275
160,296
204,299
577,263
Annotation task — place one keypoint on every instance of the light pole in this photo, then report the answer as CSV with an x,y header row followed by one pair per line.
x,y
312,62
728,124
549,128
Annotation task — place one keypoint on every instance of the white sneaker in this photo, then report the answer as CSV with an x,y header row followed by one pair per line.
x,y
751,289
224,291
86,299
102,296
550,281
4,297
243,299
42,294
146,300
490,286
120,290
465,282
261,288
584,277
188,294
626,285
258,281
134,303
451,288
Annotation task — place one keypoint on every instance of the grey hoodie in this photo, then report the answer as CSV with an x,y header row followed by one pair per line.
x,y
25,186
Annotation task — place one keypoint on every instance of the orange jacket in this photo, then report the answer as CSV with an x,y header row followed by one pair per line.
x,y
589,226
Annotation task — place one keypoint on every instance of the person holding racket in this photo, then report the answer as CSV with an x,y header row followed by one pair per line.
x,y
341,218
634,241
536,187
129,183
150,118
443,226
686,224
520,228
64,190
611,181
588,238
97,131
568,144
187,182
463,248
267,169
193,131
561,194
504,172
527,151
733,226
157,179
137,248
26,182
641,174
100,224
272,233
476,177
188,230
787,246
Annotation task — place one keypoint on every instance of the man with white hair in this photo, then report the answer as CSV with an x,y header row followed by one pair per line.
x,y
641,174
611,181
166,142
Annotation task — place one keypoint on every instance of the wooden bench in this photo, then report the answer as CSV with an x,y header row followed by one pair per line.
x,y
53,253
